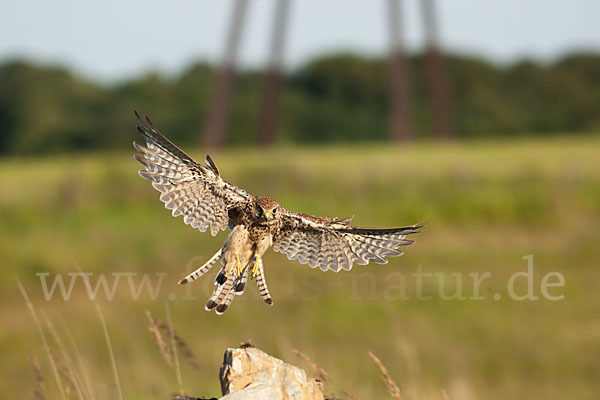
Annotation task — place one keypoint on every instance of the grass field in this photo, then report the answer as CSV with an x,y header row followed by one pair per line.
x,y
487,204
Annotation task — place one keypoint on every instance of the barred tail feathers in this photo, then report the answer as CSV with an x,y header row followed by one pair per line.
x,y
228,283
240,286
203,269
261,283
228,297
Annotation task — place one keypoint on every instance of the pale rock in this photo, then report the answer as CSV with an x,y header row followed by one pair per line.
x,y
249,373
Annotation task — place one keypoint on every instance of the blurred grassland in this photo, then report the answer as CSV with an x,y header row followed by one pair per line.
x,y
488,204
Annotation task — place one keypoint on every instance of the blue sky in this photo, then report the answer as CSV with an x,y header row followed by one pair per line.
x,y
115,39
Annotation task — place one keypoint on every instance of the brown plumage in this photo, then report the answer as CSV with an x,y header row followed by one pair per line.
x,y
198,193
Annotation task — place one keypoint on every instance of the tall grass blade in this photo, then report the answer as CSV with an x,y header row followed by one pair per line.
x,y
65,364
38,392
391,386
110,350
174,351
81,366
43,337
158,339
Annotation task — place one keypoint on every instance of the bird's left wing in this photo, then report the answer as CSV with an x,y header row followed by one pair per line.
x,y
332,244
190,189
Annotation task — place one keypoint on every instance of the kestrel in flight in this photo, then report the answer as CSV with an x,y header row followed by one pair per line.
x,y
205,200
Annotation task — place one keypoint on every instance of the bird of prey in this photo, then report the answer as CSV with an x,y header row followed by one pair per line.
x,y
198,193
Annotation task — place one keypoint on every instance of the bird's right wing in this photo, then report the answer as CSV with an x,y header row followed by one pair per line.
x,y
190,189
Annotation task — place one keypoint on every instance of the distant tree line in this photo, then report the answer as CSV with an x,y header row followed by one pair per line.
x,y
336,98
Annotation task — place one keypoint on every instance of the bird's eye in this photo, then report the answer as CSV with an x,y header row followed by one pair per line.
x,y
275,210
260,210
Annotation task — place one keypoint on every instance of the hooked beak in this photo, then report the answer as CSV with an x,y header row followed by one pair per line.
x,y
268,215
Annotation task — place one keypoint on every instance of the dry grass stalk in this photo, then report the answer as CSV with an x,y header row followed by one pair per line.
x,y
110,351
391,386
81,367
182,345
322,373
38,392
62,368
43,337
65,365
350,395
174,349
38,395
158,339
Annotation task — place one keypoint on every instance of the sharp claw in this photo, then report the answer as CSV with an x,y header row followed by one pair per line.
x,y
255,268
238,265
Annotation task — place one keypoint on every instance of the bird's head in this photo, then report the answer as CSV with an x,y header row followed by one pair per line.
x,y
267,210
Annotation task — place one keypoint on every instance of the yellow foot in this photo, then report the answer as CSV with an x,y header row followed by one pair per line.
x,y
255,268
238,265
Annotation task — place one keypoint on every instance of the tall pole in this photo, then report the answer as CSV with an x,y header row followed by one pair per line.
x,y
437,77
218,114
271,101
401,128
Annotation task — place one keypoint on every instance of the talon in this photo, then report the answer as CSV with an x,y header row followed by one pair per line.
x,y
238,265
255,268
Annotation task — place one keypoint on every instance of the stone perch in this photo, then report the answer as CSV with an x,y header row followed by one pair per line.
x,y
249,373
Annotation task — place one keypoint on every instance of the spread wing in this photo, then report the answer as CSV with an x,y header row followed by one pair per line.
x,y
190,189
334,244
